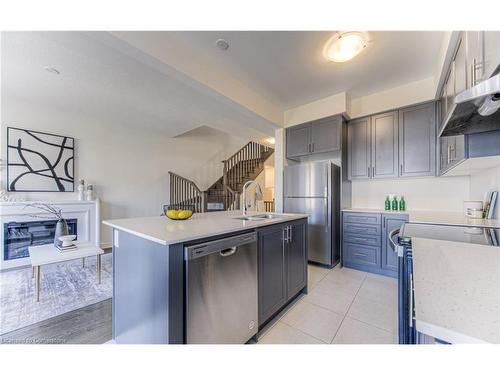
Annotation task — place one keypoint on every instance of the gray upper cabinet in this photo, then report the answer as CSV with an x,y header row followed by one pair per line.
x,y
359,156
399,143
460,66
474,62
491,53
326,135
298,140
417,146
384,142
314,137
452,152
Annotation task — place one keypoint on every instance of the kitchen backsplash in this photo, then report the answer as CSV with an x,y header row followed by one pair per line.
x,y
484,181
429,193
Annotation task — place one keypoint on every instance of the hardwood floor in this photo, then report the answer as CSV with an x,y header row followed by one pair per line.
x,y
88,325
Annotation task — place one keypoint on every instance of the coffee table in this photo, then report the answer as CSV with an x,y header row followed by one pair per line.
x,y
49,254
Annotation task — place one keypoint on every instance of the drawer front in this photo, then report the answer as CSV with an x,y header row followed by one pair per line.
x,y
362,240
362,230
360,254
362,218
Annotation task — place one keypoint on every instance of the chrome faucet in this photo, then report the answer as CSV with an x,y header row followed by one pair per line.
x,y
258,194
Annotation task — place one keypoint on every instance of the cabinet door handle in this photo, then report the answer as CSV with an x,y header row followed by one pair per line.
x,y
472,79
360,254
290,234
312,147
400,169
410,309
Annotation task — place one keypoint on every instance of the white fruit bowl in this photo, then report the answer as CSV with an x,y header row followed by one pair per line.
x,y
67,240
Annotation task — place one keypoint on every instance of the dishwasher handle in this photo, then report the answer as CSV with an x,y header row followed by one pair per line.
x,y
222,246
227,252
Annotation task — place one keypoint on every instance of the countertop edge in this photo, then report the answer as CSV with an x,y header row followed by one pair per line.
x,y
135,233
446,334
203,235
448,218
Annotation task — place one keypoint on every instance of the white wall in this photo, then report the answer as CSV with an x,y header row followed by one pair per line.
x,y
400,96
484,181
225,146
331,105
128,166
432,193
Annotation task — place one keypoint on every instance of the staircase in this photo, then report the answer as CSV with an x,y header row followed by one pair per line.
x,y
224,194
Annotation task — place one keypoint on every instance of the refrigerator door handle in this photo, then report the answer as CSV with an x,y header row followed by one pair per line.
x,y
327,221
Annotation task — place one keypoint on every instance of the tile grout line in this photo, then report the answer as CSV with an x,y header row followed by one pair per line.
x,y
370,324
305,333
345,315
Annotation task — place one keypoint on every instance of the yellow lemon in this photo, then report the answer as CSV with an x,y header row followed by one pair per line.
x,y
173,214
184,214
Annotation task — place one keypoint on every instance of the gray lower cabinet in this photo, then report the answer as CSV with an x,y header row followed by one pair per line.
x,y
296,259
314,137
282,259
366,246
389,223
417,145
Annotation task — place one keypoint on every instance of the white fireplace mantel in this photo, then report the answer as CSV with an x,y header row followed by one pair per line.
x,y
87,214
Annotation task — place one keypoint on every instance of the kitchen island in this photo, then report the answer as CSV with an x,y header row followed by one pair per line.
x,y
150,275
455,274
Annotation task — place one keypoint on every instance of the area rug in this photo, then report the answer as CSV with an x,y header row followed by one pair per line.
x,y
63,287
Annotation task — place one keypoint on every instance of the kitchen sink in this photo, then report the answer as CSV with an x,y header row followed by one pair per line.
x,y
259,217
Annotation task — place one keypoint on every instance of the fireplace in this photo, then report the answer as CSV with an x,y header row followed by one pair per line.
x,y
17,237
18,228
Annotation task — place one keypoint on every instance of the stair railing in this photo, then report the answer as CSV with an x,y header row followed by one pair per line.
x,y
237,167
231,200
185,191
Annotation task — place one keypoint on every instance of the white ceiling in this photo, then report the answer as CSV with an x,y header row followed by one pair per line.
x,y
152,79
113,82
287,67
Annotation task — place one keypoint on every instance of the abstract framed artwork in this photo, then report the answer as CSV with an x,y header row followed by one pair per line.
x,y
39,162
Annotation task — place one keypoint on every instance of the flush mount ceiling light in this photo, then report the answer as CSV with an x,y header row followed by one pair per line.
x,y
51,69
222,44
344,46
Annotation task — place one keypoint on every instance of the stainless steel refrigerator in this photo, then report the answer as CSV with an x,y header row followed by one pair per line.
x,y
314,189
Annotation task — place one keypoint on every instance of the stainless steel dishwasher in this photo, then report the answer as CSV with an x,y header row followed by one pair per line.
x,y
221,290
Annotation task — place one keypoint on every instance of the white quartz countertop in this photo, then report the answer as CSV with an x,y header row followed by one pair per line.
x,y
457,290
165,231
435,217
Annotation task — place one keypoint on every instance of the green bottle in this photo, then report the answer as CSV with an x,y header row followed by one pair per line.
x,y
402,204
387,205
394,206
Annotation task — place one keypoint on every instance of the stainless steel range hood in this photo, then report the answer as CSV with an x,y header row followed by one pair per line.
x,y
475,110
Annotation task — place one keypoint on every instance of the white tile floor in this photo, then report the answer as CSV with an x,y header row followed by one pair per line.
x,y
344,306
